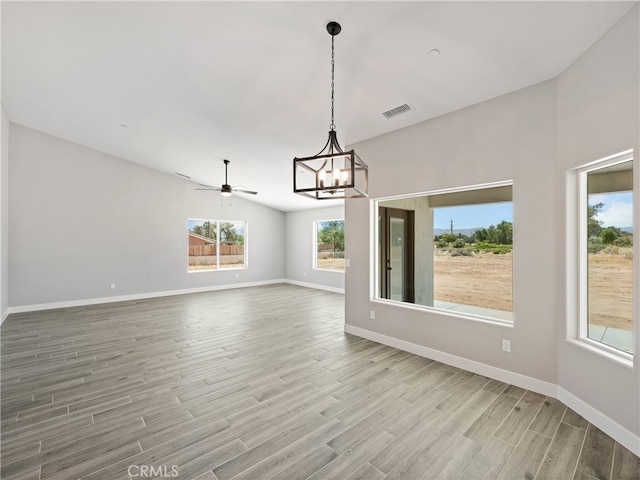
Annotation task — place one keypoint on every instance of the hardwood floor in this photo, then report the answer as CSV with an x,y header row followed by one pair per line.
x,y
261,383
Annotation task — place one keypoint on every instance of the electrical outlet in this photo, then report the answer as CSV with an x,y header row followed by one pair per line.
x,y
372,314
506,345
113,286
347,262
305,274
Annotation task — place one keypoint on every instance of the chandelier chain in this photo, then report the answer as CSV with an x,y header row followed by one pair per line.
x,y
333,64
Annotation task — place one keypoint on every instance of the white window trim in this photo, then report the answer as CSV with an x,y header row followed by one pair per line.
x,y
577,264
245,264
315,245
374,271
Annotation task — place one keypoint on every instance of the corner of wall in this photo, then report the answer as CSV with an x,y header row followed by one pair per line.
x,y
4,216
597,115
299,243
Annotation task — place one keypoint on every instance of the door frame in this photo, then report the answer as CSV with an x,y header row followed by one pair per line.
x,y
385,214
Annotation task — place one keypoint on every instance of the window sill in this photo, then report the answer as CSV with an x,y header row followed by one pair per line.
x,y
619,357
448,312
209,270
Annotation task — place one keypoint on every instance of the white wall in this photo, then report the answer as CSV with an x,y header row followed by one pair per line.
x,y
4,216
300,248
513,137
81,220
508,138
598,115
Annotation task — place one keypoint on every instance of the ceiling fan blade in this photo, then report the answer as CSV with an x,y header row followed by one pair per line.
x,y
242,190
226,189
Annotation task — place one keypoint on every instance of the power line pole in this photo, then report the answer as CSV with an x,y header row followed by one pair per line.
x,y
452,226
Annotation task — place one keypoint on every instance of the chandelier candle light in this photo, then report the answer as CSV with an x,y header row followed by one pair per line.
x,y
332,173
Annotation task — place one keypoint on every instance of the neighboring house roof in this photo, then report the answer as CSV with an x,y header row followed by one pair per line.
x,y
202,237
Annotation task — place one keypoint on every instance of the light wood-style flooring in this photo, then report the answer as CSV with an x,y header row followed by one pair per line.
x,y
262,383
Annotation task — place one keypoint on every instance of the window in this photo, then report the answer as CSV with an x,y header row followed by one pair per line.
x,y
606,252
450,250
329,245
216,244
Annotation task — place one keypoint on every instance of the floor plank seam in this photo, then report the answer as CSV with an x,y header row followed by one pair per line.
x,y
241,370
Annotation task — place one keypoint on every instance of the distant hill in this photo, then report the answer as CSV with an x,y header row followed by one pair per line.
x,y
469,231
464,231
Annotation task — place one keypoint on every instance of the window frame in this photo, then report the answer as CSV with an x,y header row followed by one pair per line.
x,y
315,245
580,333
217,267
374,287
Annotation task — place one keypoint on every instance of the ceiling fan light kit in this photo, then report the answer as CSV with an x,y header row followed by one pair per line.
x,y
225,190
332,173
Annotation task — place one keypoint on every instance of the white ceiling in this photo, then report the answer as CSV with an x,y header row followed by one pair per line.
x,y
198,82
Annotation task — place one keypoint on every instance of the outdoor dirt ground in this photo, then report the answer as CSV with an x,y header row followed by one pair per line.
x,y
485,281
610,290
331,263
480,280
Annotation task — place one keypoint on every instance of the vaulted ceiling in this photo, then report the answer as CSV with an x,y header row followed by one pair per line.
x,y
179,86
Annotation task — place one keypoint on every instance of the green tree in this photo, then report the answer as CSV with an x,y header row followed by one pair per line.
x,y
207,229
332,233
609,235
492,234
449,237
229,234
594,226
480,236
504,233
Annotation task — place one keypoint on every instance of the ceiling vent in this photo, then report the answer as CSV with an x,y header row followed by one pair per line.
x,y
394,112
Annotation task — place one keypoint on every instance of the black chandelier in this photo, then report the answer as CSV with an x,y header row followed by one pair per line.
x,y
332,173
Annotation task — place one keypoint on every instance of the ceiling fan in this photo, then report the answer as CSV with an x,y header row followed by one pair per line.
x,y
226,190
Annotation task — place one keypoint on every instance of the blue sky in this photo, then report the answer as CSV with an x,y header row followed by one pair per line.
x,y
472,216
323,223
192,223
617,210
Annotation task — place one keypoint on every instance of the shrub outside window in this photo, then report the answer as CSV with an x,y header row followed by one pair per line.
x,y
216,244
329,245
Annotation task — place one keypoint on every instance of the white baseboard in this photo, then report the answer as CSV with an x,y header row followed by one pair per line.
x,y
166,293
597,418
5,314
317,286
500,374
136,296
616,431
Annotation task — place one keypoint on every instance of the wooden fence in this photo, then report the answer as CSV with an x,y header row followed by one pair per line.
x,y
326,247
208,250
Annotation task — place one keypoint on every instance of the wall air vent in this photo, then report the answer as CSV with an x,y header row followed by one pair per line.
x,y
394,112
